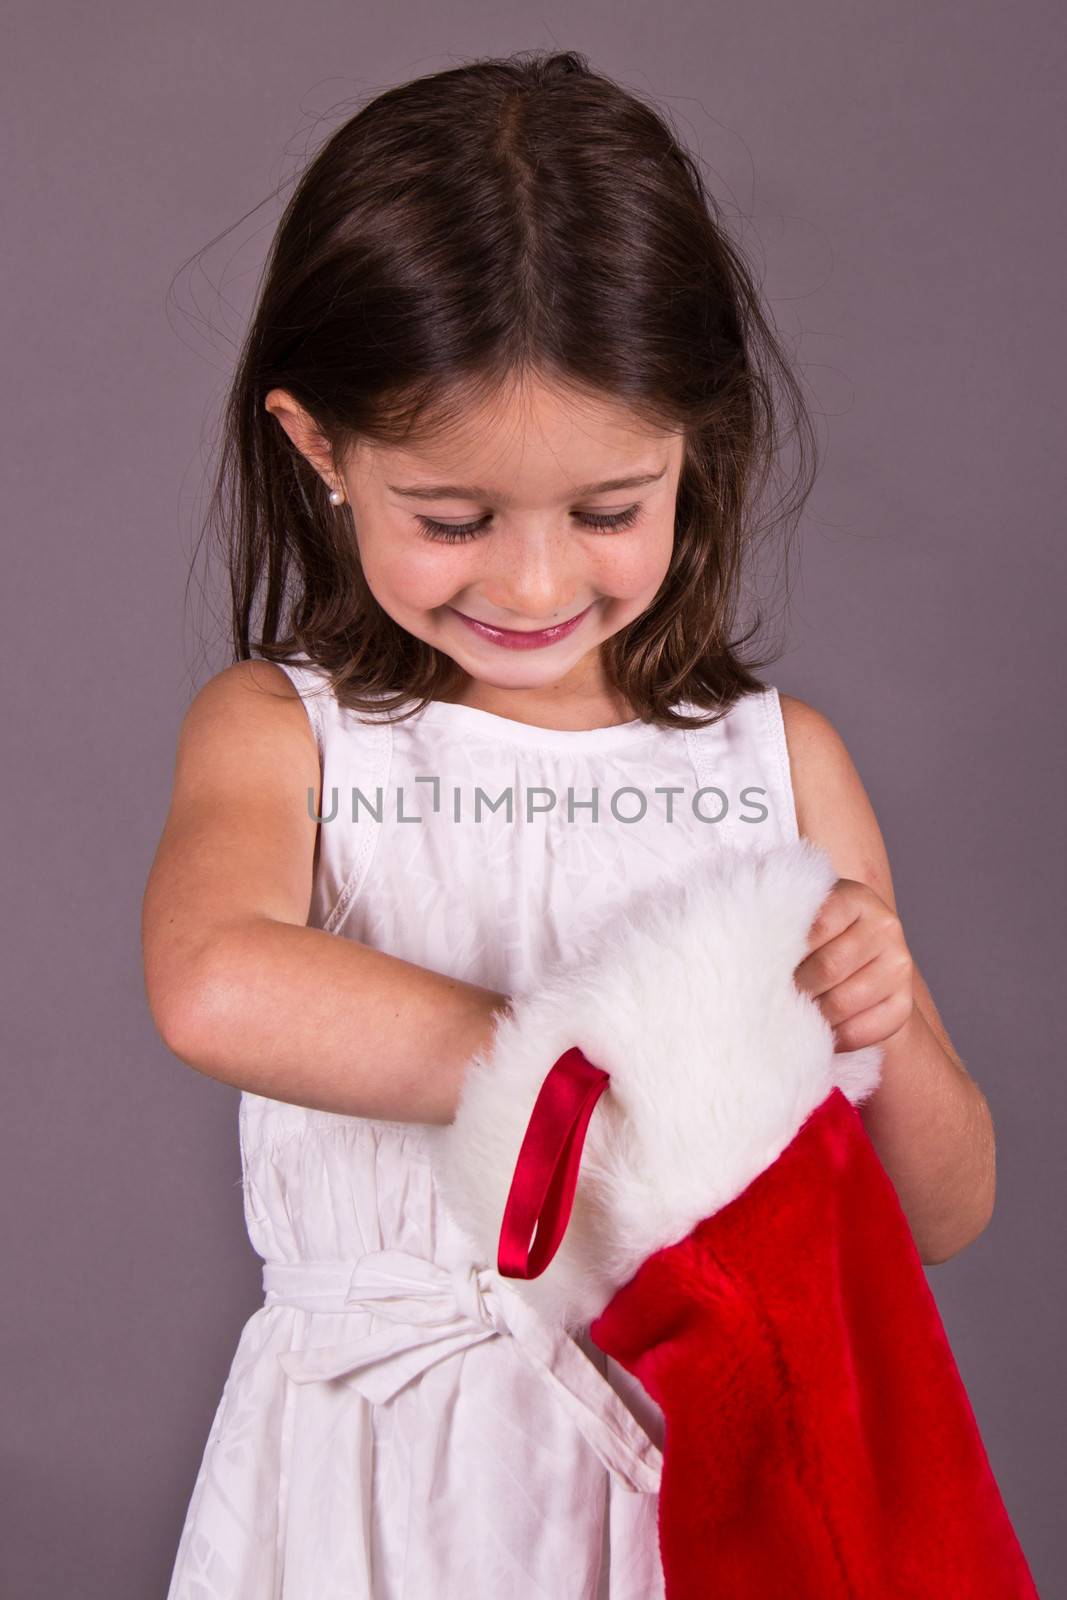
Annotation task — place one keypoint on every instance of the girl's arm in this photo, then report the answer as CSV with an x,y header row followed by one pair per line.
x,y
237,986
928,1119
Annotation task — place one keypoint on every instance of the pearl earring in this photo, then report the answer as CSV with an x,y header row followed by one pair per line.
x,y
336,497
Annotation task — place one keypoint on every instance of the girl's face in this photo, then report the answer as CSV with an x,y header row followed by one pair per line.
x,y
539,509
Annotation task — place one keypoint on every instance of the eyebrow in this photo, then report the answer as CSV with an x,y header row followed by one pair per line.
x,y
455,491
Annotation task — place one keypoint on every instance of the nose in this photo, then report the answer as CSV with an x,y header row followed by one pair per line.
x,y
532,583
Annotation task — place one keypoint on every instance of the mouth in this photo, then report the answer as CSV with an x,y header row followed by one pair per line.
x,y
522,638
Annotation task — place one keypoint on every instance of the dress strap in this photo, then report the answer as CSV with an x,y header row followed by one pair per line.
x,y
744,755
355,758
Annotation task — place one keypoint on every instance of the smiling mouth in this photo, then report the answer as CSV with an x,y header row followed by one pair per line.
x,y
549,627
528,636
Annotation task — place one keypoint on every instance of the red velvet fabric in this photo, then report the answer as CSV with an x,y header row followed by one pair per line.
x,y
819,1443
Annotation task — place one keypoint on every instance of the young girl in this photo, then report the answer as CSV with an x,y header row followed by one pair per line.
x,y
494,451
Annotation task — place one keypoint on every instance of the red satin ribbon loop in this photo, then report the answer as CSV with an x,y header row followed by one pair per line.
x,y
546,1173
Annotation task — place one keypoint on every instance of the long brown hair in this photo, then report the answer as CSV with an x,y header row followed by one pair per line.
x,y
507,216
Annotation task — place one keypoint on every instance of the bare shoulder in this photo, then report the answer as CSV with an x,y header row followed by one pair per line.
x,y
247,719
246,750
249,692
239,837
832,804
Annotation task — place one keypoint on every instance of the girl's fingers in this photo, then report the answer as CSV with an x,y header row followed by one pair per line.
x,y
873,984
878,1022
836,960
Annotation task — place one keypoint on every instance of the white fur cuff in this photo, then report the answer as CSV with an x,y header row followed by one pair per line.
x,y
716,1059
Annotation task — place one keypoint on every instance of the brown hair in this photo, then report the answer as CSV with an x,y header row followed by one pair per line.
x,y
506,216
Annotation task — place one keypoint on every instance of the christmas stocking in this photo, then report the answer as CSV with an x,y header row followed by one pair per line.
x,y
663,1146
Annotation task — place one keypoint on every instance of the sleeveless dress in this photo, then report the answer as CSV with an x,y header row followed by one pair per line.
x,y
382,1433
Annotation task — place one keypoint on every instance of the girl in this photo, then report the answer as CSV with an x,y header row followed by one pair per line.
x,y
491,465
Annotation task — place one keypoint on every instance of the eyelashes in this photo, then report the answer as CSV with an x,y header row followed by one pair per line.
x,y
457,533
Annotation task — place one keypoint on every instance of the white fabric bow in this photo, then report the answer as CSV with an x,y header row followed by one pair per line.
x,y
433,1311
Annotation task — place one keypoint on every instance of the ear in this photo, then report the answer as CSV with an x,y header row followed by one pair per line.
x,y
303,432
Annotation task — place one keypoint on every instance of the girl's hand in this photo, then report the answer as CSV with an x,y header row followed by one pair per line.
x,y
859,969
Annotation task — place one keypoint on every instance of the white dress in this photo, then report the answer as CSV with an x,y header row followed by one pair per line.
x,y
417,1450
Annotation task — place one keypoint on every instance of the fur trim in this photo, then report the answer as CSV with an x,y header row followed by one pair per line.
x,y
686,997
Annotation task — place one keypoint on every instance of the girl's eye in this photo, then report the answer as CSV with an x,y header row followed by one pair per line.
x,y
455,532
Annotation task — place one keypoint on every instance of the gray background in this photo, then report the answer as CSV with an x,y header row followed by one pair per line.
x,y
895,167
